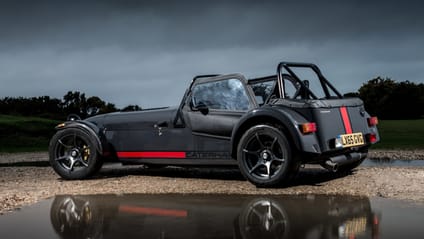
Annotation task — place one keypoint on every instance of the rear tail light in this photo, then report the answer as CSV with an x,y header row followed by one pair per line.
x,y
372,121
372,138
308,128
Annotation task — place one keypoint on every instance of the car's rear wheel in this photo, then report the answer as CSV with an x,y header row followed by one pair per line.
x,y
263,218
264,156
73,154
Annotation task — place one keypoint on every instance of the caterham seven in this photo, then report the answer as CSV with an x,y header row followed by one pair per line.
x,y
266,126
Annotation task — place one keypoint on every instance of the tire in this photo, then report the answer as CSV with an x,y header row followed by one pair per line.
x,y
265,157
73,154
77,217
262,217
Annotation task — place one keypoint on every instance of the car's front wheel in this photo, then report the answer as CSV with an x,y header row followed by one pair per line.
x,y
73,154
264,156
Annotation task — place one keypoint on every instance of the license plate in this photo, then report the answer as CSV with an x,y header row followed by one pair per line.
x,y
350,140
353,227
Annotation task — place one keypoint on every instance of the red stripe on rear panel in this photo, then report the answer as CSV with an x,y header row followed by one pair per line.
x,y
151,154
153,211
346,120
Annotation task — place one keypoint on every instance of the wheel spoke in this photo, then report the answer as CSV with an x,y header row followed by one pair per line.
x,y
273,142
268,169
258,164
64,145
82,162
269,211
259,141
61,158
254,211
255,153
66,166
71,167
73,155
282,160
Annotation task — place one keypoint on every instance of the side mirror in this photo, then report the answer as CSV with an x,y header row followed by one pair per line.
x,y
202,107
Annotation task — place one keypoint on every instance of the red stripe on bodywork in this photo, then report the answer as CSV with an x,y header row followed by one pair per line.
x,y
346,120
153,211
151,154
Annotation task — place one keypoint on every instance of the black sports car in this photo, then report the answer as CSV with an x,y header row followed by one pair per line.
x,y
267,126
213,216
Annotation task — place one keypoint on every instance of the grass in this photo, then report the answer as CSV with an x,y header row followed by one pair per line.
x,y
29,134
25,134
401,134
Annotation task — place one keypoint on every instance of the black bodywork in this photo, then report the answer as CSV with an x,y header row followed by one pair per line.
x,y
213,216
216,113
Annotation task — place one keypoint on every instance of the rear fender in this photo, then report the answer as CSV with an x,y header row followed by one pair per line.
x,y
288,119
86,126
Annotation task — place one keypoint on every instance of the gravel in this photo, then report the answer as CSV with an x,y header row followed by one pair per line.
x,y
24,185
397,154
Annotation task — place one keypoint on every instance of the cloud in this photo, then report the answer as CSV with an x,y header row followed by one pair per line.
x,y
204,24
146,52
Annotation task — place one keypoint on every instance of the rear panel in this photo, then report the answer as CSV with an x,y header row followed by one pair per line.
x,y
337,121
342,124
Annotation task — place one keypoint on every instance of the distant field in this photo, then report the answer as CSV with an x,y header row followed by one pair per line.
x,y
25,134
401,134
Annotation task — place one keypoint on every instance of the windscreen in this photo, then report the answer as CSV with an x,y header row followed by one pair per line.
x,y
263,90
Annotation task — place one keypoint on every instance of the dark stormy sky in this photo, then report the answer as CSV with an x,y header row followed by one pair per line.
x,y
146,52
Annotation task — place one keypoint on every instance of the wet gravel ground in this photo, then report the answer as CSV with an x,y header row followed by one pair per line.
x,y
26,179
397,154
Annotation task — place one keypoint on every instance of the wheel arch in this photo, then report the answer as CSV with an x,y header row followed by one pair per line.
x,y
268,116
88,128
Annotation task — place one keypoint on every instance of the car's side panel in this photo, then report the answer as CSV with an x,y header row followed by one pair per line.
x,y
147,131
211,132
147,140
287,118
212,129
216,123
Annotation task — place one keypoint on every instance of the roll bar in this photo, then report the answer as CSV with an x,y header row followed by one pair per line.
x,y
325,84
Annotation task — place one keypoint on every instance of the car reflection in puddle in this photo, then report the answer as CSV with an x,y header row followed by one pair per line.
x,y
220,216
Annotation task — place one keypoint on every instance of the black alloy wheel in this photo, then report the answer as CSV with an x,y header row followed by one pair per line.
x,y
73,154
264,156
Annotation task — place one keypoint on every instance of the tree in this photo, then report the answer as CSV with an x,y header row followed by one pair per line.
x,y
375,93
74,103
131,108
94,104
351,94
405,101
391,100
108,108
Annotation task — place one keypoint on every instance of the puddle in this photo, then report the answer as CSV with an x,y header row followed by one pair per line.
x,y
214,216
392,162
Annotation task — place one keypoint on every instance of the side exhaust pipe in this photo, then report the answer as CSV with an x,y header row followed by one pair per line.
x,y
331,166
333,163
